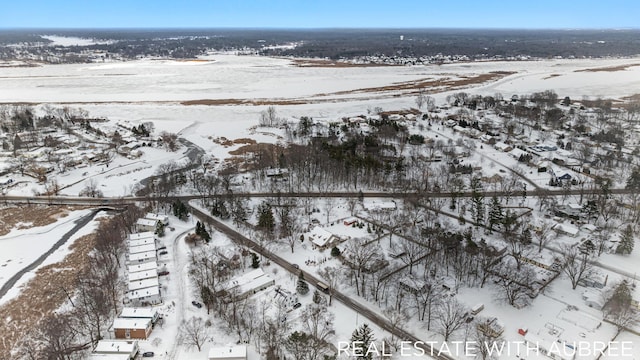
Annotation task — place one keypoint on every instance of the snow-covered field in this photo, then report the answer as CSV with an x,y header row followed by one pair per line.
x,y
151,90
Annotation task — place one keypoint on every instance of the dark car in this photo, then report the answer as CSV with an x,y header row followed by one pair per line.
x,y
163,252
297,305
296,266
163,273
162,248
148,354
196,304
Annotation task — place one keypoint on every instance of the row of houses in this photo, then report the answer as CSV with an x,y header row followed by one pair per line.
x,y
143,282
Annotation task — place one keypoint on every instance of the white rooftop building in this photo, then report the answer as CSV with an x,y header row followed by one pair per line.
x,y
141,275
228,353
140,242
145,283
141,235
142,267
142,248
322,238
149,256
129,348
249,283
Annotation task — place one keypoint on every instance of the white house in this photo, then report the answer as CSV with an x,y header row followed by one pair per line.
x,y
146,225
144,283
228,353
140,242
142,266
141,275
566,229
379,205
248,284
129,348
142,248
322,238
164,219
132,328
140,313
142,235
94,356
149,256
146,296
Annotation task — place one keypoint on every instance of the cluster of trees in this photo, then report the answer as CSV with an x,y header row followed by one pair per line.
x,y
94,301
265,323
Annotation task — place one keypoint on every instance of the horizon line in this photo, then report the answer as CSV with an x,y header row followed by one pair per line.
x,y
274,28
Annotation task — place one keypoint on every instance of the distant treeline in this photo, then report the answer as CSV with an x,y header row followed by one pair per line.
x,y
346,43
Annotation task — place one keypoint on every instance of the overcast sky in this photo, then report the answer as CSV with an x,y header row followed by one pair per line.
x,y
320,14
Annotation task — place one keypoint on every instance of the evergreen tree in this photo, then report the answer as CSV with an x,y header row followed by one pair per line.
x,y
495,213
202,232
180,210
303,287
266,221
335,251
255,261
626,241
317,297
160,229
362,337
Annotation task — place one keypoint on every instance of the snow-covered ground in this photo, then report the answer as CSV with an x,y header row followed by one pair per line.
x,y
22,247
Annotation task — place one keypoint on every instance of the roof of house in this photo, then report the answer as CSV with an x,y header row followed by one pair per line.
x,y
566,228
142,248
146,222
116,346
138,312
109,357
144,283
228,352
140,275
142,256
143,267
153,216
129,323
141,235
143,241
248,282
143,293
320,236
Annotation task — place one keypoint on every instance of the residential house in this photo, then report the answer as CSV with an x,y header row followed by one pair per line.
x,y
321,238
144,297
140,313
128,348
146,225
247,284
228,353
132,328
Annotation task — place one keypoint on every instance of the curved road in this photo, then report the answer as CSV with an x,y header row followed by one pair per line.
x,y
80,223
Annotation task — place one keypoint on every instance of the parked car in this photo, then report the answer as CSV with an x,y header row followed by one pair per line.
x,y
163,252
196,304
296,266
297,305
163,273
162,248
148,354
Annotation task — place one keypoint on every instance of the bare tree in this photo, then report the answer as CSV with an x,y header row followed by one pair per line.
x,y
577,264
318,322
516,285
450,317
332,275
544,234
193,332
